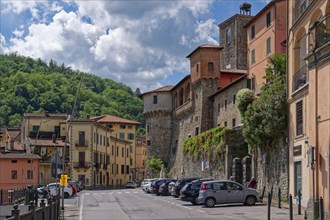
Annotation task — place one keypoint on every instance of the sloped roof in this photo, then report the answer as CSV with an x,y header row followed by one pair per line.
x,y
114,119
19,156
205,46
163,89
46,142
228,86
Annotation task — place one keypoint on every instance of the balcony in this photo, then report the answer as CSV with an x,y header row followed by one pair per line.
x,y
183,108
322,31
82,165
81,144
300,78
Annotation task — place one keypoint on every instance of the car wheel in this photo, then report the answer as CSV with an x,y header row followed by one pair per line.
x,y
66,195
195,201
209,202
250,200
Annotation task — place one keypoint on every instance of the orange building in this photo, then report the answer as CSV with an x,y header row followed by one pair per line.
x,y
141,156
265,33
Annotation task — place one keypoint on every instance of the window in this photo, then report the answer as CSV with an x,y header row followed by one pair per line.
x,y
117,152
219,186
14,174
228,36
122,152
29,161
253,56
112,150
297,177
268,21
116,168
197,68
130,136
268,46
218,107
94,137
148,143
100,139
13,161
110,126
127,169
253,32
197,131
225,124
122,169
81,138
148,129
35,128
234,122
225,103
234,99
57,130
155,99
210,66
29,174
131,161
122,126
130,127
299,118
127,152
122,136
112,168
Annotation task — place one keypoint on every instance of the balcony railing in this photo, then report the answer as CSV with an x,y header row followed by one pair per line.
x,y
81,144
300,78
299,8
82,165
323,31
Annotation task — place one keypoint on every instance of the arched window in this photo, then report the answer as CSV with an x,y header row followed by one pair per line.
x,y
188,92
228,36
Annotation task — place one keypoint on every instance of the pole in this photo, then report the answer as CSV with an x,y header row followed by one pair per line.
x,y
291,211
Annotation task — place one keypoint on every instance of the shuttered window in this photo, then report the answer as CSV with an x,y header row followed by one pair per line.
x,y
299,118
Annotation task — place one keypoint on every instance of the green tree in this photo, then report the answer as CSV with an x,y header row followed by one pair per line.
x,y
155,164
265,119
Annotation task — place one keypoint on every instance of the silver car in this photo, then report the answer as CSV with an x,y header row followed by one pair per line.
x,y
226,191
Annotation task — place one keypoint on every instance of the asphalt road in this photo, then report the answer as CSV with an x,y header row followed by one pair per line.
x,y
135,204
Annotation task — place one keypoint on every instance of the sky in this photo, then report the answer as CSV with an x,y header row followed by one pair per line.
x,y
142,44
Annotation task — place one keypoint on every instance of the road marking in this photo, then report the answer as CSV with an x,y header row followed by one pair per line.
x,y
86,193
103,193
119,192
186,207
127,192
199,210
136,192
81,207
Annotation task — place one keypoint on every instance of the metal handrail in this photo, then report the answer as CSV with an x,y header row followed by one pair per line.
x,y
300,78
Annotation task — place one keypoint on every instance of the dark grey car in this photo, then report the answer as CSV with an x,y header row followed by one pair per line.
x,y
226,191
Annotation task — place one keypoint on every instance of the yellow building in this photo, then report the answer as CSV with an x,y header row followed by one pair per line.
x,y
37,136
125,130
100,155
308,56
141,156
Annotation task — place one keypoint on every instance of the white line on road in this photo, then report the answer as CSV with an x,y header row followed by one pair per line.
x,y
199,210
81,207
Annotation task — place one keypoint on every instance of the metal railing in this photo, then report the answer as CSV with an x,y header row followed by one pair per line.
x,y
49,211
300,78
8,197
82,165
81,144
323,31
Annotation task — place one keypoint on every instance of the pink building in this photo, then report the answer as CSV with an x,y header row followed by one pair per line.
x,y
17,171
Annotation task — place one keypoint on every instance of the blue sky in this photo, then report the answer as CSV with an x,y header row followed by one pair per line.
x,y
142,44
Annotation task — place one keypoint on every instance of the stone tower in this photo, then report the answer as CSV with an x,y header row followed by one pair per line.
x,y
233,39
158,114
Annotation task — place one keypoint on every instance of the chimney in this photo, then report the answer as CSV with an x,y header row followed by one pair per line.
x,y
11,144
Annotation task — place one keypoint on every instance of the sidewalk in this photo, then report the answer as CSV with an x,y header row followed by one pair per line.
x,y
5,210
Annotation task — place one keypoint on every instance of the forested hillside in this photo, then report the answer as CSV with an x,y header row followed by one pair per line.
x,y
28,85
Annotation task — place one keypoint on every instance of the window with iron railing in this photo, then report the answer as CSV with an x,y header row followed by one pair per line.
x,y
322,31
300,78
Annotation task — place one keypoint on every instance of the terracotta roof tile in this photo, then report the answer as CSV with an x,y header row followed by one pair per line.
x,y
114,119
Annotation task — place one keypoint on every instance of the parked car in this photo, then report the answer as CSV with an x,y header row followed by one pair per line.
x,y
163,189
190,191
54,188
137,183
147,184
74,189
171,186
180,184
75,184
154,187
226,191
130,184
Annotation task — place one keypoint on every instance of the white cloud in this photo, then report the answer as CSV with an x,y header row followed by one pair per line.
x,y
140,44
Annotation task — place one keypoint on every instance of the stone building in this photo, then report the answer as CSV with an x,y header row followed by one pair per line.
x,y
189,108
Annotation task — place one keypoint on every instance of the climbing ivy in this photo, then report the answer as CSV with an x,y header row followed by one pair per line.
x,y
209,144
